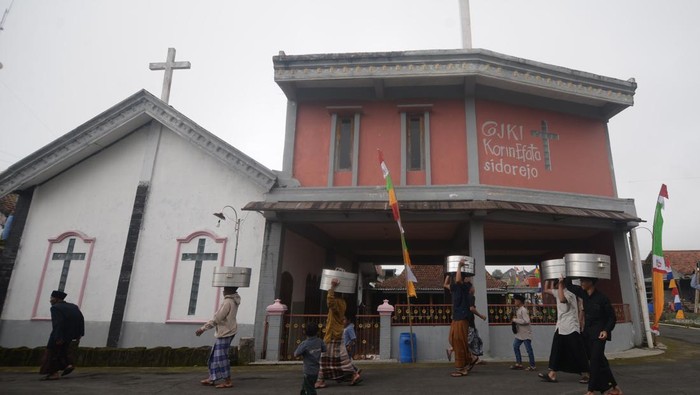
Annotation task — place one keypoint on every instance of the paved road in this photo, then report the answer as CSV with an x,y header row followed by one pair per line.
x,y
671,373
689,335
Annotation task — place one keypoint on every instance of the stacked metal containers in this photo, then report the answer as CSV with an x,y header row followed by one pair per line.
x,y
452,263
227,276
348,281
587,265
577,266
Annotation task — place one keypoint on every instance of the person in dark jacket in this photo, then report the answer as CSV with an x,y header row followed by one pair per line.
x,y
68,326
600,321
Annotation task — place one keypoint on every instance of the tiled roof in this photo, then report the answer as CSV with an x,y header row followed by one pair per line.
x,y
683,261
443,206
492,283
430,278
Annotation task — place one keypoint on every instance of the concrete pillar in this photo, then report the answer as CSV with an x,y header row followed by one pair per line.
x,y
385,311
625,271
275,322
270,272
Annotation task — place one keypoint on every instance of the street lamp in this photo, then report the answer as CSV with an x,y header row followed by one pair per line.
x,y
221,216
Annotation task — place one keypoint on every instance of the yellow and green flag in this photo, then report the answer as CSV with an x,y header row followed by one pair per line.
x,y
410,277
659,267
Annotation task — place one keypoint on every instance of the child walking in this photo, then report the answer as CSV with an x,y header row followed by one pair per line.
x,y
311,350
522,335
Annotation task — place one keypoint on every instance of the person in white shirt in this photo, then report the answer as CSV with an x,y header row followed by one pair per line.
x,y
568,353
523,335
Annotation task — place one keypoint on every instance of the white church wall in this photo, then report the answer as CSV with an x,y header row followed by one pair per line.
x,y
188,186
94,197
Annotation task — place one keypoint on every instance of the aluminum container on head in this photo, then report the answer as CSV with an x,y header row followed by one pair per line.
x,y
348,281
227,276
551,269
587,265
452,263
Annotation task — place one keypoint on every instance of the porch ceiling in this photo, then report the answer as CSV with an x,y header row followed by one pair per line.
x,y
430,242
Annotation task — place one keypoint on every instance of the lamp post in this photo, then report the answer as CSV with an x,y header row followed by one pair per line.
x,y
237,227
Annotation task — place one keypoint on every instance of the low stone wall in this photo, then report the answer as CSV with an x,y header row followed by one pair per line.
x,y
104,356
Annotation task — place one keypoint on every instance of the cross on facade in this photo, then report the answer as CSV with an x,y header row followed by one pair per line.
x,y
198,257
546,135
67,257
169,65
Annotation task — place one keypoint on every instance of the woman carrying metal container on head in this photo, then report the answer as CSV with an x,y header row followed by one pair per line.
x,y
568,353
600,317
335,362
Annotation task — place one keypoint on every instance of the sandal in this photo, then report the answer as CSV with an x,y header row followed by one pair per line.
x,y
472,364
546,377
320,384
584,380
531,368
51,377
225,384
516,367
206,382
356,379
459,373
68,370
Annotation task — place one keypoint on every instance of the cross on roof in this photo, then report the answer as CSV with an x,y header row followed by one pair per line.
x,y
169,65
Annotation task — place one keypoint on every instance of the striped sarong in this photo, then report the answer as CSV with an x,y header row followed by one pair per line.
x,y
459,330
219,363
335,362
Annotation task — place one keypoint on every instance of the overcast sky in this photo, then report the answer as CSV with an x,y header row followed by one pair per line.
x,y
65,62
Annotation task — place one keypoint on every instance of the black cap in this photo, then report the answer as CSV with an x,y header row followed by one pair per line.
x,y
58,294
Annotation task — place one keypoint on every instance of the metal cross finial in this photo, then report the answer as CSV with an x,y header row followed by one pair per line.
x,y
169,65
546,135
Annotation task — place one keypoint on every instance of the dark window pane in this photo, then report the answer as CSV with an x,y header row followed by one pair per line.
x,y
415,142
344,141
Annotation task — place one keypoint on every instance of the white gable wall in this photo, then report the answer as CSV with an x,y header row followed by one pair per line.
x,y
188,186
94,197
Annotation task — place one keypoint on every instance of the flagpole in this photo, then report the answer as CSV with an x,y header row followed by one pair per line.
x,y
408,296
641,287
393,202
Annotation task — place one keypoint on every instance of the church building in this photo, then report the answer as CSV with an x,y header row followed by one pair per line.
x,y
118,214
500,158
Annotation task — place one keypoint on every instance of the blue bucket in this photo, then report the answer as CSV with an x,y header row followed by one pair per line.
x,y
405,347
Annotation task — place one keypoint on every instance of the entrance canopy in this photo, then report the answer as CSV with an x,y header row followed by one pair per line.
x,y
514,233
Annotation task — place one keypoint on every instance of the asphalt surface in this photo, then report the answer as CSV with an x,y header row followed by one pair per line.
x,y
677,371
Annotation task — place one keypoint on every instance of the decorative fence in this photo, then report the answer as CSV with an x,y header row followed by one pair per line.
x,y
498,314
366,329
422,314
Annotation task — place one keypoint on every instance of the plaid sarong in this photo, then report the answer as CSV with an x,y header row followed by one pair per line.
x,y
476,345
219,363
335,362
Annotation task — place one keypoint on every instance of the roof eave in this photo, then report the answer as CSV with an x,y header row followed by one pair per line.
x,y
478,67
115,123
